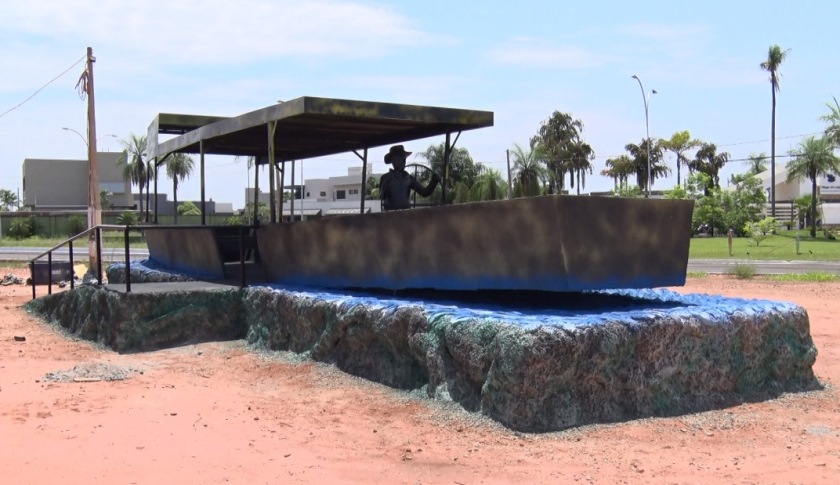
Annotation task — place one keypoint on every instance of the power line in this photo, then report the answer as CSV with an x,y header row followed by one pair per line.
x,y
42,87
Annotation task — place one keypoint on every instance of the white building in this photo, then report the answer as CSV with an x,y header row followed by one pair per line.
x,y
328,196
828,191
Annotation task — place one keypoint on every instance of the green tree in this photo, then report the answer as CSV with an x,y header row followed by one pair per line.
x,y
639,154
677,193
775,57
813,158
742,204
131,159
619,169
679,143
128,218
263,214
372,188
8,199
179,167
189,209
709,162
832,131
803,208
530,173
580,163
708,209
462,168
489,185
760,230
105,198
756,163
559,139
723,210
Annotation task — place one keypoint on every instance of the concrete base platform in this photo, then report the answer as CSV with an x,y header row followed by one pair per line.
x,y
534,361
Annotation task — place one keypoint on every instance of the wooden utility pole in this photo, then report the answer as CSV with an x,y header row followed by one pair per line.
x,y
85,85
510,185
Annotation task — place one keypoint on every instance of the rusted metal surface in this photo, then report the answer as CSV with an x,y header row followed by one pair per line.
x,y
310,127
191,250
557,243
173,124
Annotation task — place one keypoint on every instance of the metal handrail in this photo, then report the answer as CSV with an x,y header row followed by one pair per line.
x,y
69,242
127,229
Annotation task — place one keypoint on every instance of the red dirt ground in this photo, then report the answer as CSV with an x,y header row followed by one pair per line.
x,y
217,413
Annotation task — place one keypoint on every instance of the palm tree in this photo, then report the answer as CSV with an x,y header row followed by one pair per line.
x,y
709,162
134,168
680,143
580,163
529,170
833,120
619,169
179,166
814,157
489,185
775,57
639,154
757,163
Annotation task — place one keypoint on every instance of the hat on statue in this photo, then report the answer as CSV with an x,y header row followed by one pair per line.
x,y
396,151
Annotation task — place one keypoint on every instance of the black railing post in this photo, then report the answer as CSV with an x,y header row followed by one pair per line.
x,y
241,259
127,264
72,271
49,273
99,255
32,277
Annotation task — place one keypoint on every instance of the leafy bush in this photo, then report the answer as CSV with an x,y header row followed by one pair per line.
x,y
633,191
723,210
234,221
743,271
188,209
76,224
22,228
128,218
761,230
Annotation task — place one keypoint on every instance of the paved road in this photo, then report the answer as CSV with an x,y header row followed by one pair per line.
x,y
711,266
720,266
79,253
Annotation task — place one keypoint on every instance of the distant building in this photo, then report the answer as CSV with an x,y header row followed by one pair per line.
x,y
52,184
828,191
326,197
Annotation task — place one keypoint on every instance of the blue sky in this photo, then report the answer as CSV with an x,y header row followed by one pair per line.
x,y
522,60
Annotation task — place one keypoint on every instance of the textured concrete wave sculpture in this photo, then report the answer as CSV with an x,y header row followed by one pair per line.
x,y
532,361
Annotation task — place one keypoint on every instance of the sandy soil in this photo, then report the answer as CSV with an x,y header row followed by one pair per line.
x,y
216,413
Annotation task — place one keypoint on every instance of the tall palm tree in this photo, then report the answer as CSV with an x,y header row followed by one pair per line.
x,y
179,167
134,168
489,185
832,131
639,154
814,157
709,162
529,169
679,143
757,163
775,57
580,163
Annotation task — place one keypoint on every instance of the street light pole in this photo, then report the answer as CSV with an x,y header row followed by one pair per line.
x,y
646,99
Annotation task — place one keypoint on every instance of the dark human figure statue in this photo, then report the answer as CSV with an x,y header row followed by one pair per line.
x,y
396,185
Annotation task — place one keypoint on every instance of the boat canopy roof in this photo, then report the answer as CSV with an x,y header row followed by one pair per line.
x,y
307,127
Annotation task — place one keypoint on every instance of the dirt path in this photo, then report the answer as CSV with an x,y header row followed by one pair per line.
x,y
216,413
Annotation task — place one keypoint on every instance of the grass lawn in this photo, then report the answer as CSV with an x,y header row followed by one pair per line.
x,y
781,246
109,241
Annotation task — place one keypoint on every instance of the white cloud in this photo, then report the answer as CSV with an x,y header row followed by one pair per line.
x,y
531,53
210,32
